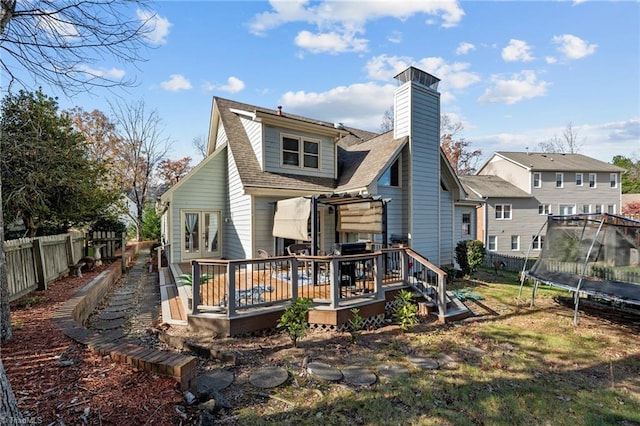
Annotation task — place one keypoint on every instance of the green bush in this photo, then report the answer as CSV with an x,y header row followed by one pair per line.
x,y
469,255
294,320
150,225
356,324
406,311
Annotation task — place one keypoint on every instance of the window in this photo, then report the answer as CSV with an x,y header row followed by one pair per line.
x,y
611,209
391,177
515,242
598,208
466,224
503,211
613,178
537,180
493,243
592,180
544,209
536,242
567,209
586,208
578,179
559,180
308,157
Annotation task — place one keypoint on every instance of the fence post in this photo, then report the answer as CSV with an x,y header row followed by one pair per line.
x,y
69,243
38,258
123,252
377,269
231,290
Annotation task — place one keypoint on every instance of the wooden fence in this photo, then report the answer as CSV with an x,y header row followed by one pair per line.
x,y
32,263
511,263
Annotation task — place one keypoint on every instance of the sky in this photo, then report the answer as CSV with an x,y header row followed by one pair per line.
x,y
513,73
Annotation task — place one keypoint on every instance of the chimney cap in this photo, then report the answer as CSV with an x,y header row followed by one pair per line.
x,y
417,75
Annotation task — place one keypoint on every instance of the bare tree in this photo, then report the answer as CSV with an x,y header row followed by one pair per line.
x,y
200,144
143,147
458,150
387,120
568,143
57,42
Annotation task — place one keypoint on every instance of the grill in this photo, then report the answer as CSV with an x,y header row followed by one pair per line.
x,y
352,248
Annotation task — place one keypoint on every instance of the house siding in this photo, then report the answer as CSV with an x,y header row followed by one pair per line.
x,y
423,107
273,160
525,222
510,172
198,193
254,133
263,211
446,228
237,232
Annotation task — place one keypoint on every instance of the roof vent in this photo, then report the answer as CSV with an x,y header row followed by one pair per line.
x,y
279,110
338,125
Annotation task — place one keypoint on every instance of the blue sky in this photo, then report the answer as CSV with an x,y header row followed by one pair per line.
x,y
514,73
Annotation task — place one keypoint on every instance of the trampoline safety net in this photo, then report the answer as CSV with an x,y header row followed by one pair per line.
x,y
593,254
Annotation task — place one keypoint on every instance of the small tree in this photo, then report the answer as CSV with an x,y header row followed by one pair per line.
x,y
356,324
406,311
150,225
294,320
469,255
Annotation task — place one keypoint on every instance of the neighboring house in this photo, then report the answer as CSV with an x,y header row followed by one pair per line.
x,y
521,189
224,208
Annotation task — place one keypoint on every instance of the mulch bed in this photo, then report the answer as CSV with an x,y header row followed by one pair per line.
x,y
58,381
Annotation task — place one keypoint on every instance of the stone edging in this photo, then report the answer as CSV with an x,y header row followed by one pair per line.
x,y
71,317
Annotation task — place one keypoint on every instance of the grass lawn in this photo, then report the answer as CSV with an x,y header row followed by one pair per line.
x,y
514,365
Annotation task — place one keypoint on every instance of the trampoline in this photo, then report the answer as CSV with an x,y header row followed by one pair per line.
x,y
592,255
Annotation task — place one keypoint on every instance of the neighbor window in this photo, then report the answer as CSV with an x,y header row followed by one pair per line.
x,y
391,177
493,243
559,180
592,180
586,208
544,209
578,179
613,178
515,242
598,208
537,180
466,224
300,152
503,211
536,242
567,209
611,209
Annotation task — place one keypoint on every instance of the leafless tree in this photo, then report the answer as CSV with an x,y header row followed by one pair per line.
x,y
200,144
458,150
143,147
57,43
568,143
387,120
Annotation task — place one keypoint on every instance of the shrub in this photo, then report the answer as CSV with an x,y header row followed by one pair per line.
x,y
356,324
294,320
406,311
469,255
150,224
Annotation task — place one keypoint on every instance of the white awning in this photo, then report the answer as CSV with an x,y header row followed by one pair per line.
x,y
292,218
361,217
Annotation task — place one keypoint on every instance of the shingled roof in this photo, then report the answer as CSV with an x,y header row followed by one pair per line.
x,y
489,186
559,162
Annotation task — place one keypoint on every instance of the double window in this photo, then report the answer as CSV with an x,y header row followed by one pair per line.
x,y
544,209
536,242
300,152
503,211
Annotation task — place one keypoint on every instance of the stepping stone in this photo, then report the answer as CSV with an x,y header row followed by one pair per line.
x,y
359,376
213,381
393,371
423,363
324,371
447,362
119,299
122,308
110,316
269,377
124,293
125,303
109,325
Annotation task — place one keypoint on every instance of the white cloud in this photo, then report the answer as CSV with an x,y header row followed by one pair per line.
x,y
110,74
176,83
517,50
56,26
550,59
156,27
395,37
464,48
573,47
518,87
233,85
358,105
330,42
337,22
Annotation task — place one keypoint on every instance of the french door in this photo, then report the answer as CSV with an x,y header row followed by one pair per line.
x,y
201,236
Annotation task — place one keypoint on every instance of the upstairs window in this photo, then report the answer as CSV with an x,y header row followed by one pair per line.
x,y
503,211
391,177
559,180
578,179
299,152
613,178
537,180
592,180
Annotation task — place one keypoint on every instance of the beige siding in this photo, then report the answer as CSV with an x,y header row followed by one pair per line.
x,y
510,172
525,222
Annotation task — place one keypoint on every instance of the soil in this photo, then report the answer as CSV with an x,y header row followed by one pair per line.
x,y
57,381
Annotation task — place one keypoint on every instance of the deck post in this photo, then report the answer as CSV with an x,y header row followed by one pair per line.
x,y
404,266
294,278
334,295
442,295
377,270
195,286
231,291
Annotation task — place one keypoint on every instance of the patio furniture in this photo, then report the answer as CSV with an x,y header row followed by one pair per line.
x,y
299,249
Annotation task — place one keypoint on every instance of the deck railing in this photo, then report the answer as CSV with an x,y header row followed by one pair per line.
x,y
237,287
